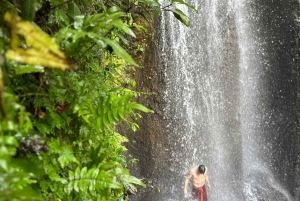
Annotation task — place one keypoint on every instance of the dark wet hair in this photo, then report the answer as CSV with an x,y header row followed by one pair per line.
x,y
201,169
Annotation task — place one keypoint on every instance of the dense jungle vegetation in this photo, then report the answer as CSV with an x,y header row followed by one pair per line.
x,y
64,87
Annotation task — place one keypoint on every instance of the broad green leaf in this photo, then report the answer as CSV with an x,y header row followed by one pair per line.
x,y
73,10
188,5
27,8
138,106
122,26
120,51
181,16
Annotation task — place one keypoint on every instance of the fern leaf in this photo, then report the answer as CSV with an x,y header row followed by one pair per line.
x,y
83,172
100,123
121,112
110,117
137,106
116,115
66,157
92,180
105,120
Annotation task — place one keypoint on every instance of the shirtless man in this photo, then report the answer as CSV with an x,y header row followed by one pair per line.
x,y
200,176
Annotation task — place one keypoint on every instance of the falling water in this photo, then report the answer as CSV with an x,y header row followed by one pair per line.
x,y
229,101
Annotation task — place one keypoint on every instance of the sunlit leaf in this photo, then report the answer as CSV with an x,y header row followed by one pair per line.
x,y
41,51
33,57
21,69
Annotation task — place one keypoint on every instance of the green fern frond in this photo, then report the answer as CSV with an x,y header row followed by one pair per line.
x,y
93,180
66,157
115,108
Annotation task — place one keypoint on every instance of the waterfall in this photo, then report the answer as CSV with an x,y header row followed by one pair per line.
x,y
229,102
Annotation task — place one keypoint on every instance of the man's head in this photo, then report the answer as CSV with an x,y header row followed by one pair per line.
x,y
201,169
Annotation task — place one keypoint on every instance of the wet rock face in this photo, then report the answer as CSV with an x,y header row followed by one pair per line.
x,y
150,78
281,77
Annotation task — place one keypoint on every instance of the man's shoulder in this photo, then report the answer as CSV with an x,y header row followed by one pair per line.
x,y
194,169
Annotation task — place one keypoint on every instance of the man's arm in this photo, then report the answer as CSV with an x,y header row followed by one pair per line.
x,y
206,178
187,181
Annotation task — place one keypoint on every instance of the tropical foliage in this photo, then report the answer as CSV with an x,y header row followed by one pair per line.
x,y
64,88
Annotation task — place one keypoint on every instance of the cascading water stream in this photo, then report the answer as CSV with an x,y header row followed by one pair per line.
x,y
223,106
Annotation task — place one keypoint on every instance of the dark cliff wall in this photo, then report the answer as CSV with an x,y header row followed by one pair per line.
x,y
296,142
150,78
278,33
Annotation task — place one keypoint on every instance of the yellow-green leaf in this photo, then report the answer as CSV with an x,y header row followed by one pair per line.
x,y
41,49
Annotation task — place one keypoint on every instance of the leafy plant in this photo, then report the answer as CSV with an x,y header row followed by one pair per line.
x,y
62,93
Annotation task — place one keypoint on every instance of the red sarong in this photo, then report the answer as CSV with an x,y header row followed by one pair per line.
x,y
199,193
